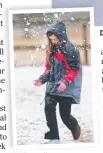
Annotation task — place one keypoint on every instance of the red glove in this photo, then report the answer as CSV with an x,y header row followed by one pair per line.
x,y
62,86
37,83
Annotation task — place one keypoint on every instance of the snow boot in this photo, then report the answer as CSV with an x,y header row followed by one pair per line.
x,y
51,135
76,132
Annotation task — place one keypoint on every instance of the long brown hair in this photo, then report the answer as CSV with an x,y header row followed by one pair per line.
x,y
48,53
49,50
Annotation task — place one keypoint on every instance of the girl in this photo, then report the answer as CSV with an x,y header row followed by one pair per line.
x,y
63,75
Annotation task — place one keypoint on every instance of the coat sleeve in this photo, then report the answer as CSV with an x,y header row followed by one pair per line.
x,y
72,65
45,76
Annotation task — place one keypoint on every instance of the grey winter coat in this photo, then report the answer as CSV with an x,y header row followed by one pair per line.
x,y
65,65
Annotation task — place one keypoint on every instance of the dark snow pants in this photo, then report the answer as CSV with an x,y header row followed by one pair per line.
x,y
64,109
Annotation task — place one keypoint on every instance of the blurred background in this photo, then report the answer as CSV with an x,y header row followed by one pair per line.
x,y
30,42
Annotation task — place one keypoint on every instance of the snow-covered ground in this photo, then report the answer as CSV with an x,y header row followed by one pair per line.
x,y
30,118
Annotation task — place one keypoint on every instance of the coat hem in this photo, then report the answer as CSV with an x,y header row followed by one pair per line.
x,y
75,101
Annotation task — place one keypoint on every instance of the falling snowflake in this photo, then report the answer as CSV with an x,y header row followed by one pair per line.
x,y
43,46
27,23
56,15
64,41
72,18
37,49
24,18
63,31
26,29
45,19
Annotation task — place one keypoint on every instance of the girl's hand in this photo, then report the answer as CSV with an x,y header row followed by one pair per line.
x,y
62,86
37,83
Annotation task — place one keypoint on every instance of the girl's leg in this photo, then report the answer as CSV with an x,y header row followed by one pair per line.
x,y
67,118
50,113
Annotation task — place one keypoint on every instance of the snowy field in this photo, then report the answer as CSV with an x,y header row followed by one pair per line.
x,y
30,119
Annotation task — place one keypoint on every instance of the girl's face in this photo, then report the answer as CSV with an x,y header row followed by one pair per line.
x,y
54,40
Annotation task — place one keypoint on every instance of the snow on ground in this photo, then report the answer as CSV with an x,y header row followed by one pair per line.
x,y
30,118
